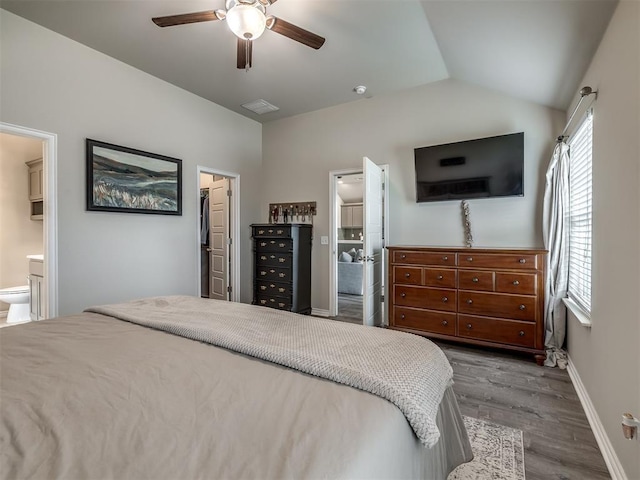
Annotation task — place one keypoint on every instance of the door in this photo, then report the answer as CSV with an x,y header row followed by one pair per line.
x,y
219,240
372,244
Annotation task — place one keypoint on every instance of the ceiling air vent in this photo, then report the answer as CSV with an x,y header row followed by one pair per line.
x,y
260,107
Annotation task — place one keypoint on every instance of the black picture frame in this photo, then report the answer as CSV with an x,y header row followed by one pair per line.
x,y
123,179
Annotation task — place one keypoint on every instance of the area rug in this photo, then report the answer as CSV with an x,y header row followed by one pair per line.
x,y
498,453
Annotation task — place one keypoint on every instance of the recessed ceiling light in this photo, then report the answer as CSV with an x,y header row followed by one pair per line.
x,y
260,107
360,89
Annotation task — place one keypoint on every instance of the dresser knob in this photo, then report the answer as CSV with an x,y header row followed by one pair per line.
x,y
440,277
281,245
260,232
475,280
516,282
523,260
445,299
282,275
263,244
270,231
445,323
262,257
469,301
469,259
445,258
281,305
407,275
272,271
281,290
403,294
280,232
403,256
282,260
468,326
262,272
521,333
522,307
262,287
272,257
402,316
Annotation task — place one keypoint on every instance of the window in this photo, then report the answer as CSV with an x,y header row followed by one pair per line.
x,y
580,149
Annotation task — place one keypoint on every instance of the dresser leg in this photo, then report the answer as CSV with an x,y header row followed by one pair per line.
x,y
540,359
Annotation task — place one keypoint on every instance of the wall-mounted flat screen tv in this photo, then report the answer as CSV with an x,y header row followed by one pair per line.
x,y
485,167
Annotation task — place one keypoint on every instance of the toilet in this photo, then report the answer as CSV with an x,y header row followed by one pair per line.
x,y
18,300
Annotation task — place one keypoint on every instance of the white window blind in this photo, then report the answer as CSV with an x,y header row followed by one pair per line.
x,y
580,197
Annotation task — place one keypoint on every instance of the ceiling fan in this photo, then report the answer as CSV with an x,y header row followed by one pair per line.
x,y
247,19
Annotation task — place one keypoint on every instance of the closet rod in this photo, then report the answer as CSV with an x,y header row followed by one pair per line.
x,y
584,92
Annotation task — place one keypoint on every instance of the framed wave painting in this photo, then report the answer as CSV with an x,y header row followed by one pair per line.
x,y
122,179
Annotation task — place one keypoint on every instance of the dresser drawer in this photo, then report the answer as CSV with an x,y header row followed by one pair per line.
x,y
497,261
407,275
440,277
274,245
425,320
272,273
423,297
518,307
424,258
283,231
275,259
475,280
274,288
522,283
280,303
494,330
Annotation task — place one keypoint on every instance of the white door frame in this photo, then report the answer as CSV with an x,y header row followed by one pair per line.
x,y
333,237
50,220
234,229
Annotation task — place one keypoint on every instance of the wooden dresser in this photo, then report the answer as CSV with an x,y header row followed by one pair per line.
x,y
282,266
491,297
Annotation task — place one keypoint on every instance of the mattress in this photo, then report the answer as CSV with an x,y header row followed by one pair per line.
x,y
91,396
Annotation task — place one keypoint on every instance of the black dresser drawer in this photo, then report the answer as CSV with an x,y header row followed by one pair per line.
x,y
274,288
281,303
273,273
270,231
274,245
273,259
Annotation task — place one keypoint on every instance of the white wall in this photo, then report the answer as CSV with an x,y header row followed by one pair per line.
x,y
56,85
19,235
300,151
607,356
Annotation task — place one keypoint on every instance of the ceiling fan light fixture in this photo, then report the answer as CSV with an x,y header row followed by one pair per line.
x,y
246,21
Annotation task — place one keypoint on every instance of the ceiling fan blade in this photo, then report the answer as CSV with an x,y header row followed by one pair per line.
x,y
185,18
295,33
245,52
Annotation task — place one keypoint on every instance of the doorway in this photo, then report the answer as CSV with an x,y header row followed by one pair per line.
x,y
42,209
218,234
349,260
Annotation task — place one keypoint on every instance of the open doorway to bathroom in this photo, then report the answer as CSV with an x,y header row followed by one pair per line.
x,y
347,253
28,238
218,231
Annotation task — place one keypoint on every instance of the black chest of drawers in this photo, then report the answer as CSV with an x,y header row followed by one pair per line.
x,y
282,266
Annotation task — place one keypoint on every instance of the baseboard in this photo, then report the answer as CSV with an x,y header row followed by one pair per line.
x,y
319,312
606,448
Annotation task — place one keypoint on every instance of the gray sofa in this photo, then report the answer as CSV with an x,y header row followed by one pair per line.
x,y
350,277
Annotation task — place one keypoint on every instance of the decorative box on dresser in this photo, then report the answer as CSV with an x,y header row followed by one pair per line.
x,y
490,297
282,266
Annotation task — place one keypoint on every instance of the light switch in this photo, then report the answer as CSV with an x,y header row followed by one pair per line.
x,y
324,240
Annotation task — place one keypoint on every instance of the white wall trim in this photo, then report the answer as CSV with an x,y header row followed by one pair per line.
x,y
234,181
606,448
319,312
50,220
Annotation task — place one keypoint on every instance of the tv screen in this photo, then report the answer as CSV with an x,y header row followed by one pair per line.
x,y
486,167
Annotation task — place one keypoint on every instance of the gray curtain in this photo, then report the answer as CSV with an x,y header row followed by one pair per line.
x,y
555,231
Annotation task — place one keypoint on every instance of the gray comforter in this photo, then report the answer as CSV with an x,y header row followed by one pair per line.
x,y
89,396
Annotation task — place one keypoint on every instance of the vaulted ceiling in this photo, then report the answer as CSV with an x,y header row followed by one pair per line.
x,y
537,50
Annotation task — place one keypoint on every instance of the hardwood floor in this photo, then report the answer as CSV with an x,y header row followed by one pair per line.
x,y
349,308
512,390
542,402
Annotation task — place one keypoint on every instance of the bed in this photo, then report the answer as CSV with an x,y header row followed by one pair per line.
x,y
159,393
